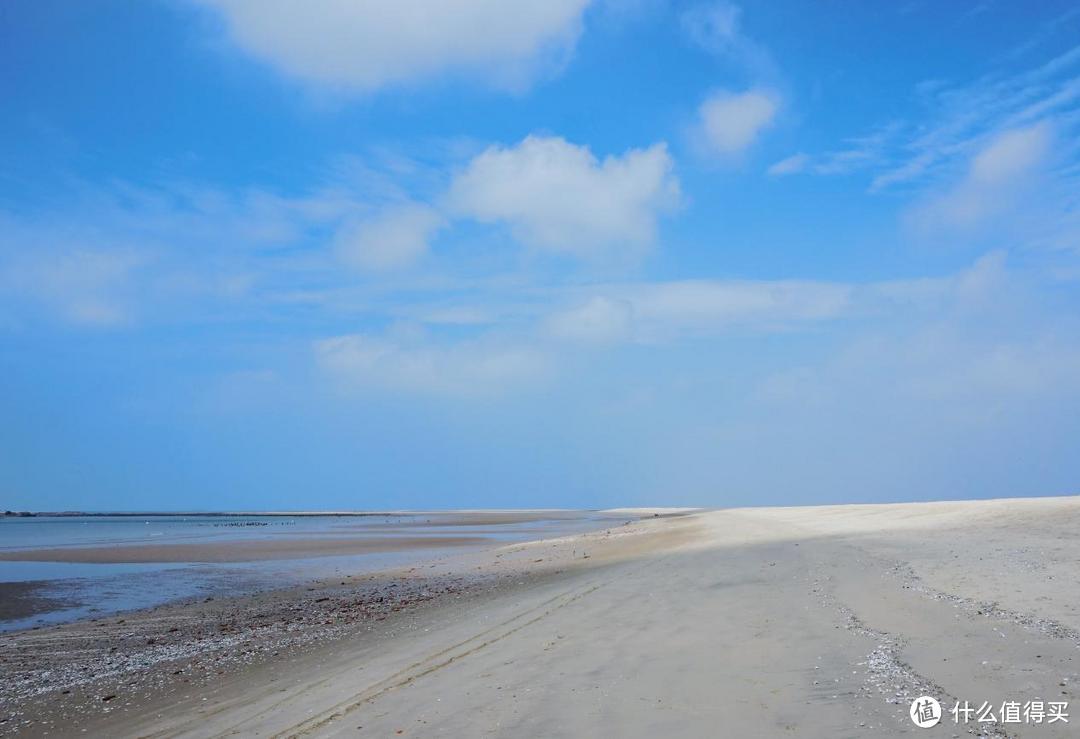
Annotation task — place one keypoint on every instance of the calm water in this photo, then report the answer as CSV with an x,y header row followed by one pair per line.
x,y
79,590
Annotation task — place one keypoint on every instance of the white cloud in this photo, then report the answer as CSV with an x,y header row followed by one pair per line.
x,y
791,165
669,311
717,28
712,306
599,320
1010,155
730,122
365,45
997,175
947,364
557,196
409,360
468,368
85,286
713,26
984,282
396,238
666,311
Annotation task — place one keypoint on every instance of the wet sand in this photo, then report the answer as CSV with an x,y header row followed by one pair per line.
x,y
24,599
248,550
754,622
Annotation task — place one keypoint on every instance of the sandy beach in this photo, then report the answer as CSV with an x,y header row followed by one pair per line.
x,y
823,621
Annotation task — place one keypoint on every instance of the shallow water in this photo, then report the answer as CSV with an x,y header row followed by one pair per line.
x,y
70,590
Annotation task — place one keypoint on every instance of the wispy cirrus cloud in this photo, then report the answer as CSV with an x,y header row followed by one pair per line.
x,y
961,119
469,368
856,154
127,253
793,164
997,177
192,240
85,286
971,115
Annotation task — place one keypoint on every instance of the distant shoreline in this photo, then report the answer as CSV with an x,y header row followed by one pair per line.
x,y
231,514
251,514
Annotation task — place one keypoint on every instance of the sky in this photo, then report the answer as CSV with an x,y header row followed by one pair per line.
x,y
259,254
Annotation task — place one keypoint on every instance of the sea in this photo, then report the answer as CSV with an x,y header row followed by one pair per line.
x,y
59,592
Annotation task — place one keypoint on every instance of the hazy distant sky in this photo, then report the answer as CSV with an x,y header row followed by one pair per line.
x,y
408,253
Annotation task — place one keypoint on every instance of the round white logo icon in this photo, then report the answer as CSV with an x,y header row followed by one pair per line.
x,y
925,712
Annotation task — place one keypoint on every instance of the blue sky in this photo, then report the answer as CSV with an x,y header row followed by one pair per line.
x,y
583,253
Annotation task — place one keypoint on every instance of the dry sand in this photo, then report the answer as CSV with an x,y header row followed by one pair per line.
x,y
754,622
